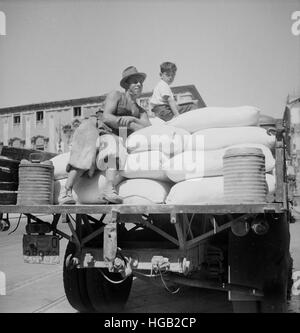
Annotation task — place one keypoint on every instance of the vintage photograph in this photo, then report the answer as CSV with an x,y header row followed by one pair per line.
x,y
149,159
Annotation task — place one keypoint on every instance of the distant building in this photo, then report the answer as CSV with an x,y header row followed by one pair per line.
x,y
50,126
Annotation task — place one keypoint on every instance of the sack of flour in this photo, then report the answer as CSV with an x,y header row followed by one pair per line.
x,y
212,117
156,121
146,164
60,163
217,138
208,163
143,191
167,139
112,152
208,190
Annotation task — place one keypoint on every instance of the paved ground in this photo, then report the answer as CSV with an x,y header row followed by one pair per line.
x,y
39,288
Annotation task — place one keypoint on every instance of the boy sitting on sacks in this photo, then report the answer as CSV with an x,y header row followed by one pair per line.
x,y
162,102
121,111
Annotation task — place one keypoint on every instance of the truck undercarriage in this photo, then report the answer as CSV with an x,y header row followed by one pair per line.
x,y
241,249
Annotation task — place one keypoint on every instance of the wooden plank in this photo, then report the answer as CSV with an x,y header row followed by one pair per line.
x,y
214,209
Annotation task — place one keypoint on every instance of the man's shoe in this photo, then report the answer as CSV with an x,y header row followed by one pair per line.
x,y
66,198
111,196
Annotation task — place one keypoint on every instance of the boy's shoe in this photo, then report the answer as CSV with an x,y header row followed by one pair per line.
x,y
66,198
111,196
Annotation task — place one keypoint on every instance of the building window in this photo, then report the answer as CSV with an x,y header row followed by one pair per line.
x,y
16,120
77,111
16,142
39,116
39,142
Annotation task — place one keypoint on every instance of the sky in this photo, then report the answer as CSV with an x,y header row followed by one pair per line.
x,y
236,52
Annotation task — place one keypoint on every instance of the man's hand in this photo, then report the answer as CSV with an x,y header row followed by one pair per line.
x,y
126,120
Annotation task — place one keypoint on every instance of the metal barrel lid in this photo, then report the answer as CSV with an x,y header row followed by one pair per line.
x,y
243,151
43,165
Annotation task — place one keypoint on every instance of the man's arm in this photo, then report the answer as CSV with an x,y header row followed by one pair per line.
x,y
109,117
110,107
141,122
173,106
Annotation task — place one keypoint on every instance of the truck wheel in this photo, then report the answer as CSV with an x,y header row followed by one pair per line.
x,y
264,262
107,296
75,283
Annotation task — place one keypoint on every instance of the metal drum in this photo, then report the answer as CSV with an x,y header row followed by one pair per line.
x,y
244,175
36,182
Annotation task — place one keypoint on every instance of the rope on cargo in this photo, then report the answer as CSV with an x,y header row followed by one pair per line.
x,y
17,225
163,281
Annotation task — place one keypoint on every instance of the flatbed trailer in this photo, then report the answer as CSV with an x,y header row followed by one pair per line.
x,y
242,249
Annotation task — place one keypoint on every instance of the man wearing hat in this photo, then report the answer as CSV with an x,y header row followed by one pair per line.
x,y
120,111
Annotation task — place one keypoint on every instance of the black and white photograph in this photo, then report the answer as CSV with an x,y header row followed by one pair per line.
x,y
149,159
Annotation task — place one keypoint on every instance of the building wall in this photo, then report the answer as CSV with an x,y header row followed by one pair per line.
x,y
30,133
54,132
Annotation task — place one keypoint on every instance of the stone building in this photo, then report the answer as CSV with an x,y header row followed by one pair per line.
x,y
50,126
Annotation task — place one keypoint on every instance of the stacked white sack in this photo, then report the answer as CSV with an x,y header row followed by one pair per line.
x,y
86,190
214,117
209,163
60,163
146,164
156,121
143,191
167,139
150,147
218,138
111,147
209,190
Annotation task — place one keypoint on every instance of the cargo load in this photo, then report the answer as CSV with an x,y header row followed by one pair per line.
x,y
213,117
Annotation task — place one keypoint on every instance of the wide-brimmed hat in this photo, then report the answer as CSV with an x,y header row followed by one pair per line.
x,y
128,72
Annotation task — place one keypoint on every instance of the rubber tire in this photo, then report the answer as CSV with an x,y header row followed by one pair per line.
x,y
75,284
106,296
274,269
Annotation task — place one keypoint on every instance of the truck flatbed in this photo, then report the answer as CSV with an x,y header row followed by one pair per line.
x,y
221,208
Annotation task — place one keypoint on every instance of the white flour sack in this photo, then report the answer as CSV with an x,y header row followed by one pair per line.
x,y
60,163
167,139
217,138
143,191
204,190
146,164
196,164
212,117
156,121
111,147
86,190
